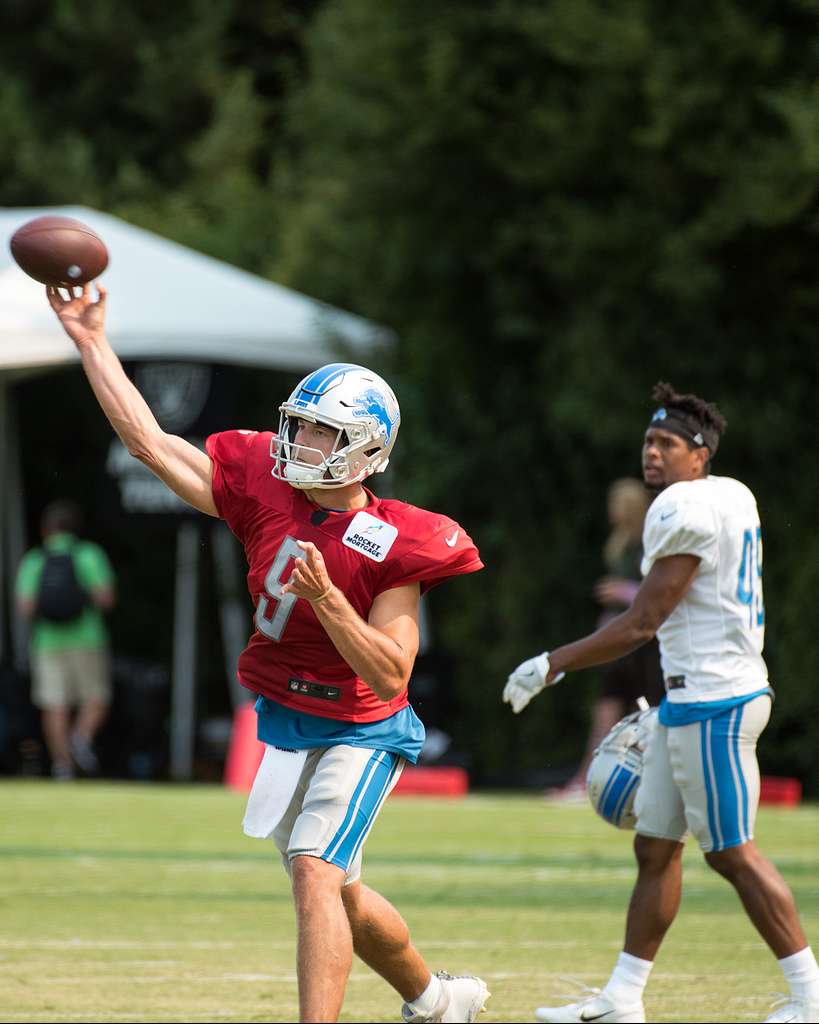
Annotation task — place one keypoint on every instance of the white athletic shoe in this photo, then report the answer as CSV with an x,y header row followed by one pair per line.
x,y
794,1011
84,756
462,999
597,1006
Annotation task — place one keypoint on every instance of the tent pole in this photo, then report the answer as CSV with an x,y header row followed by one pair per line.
x,y
13,530
5,500
183,683
233,608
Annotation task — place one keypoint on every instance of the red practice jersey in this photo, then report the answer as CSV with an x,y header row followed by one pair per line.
x,y
366,551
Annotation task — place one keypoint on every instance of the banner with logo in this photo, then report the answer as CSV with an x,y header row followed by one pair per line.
x,y
191,400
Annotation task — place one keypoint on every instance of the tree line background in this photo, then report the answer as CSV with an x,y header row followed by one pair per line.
x,y
553,204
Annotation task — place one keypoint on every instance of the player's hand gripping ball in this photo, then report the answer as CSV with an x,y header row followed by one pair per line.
x,y
59,251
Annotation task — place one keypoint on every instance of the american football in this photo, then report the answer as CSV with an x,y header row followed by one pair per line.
x,y
59,251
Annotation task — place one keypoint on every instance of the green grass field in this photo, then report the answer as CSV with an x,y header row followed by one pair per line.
x,y
137,903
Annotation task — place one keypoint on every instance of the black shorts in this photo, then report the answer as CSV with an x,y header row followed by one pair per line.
x,y
636,675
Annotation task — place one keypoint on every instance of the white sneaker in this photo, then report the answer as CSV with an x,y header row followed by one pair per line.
x,y
794,1011
84,756
597,1006
63,771
462,999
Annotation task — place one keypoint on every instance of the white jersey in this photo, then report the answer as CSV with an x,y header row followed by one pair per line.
x,y
711,644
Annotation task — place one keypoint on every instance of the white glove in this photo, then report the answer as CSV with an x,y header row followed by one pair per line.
x,y
528,679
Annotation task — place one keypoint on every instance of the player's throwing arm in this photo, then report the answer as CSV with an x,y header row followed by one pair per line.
x,y
180,465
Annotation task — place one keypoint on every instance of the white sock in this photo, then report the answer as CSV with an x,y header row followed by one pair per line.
x,y
802,974
429,998
628,979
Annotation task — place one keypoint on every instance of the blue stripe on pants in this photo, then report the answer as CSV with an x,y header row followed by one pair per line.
x,y
364,804
729,810
726,790
744,788
364,832
369,768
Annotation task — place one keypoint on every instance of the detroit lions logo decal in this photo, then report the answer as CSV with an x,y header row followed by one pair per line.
x,y
373,403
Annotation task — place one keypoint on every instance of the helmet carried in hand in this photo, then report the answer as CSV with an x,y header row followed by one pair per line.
x,y
617,767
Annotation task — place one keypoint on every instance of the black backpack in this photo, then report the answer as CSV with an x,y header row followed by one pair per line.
x,y
60,597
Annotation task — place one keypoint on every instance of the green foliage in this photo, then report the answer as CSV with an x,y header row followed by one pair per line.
x,y
553,204
167,115
556,205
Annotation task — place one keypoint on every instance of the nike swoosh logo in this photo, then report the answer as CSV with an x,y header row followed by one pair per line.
x,y
598,1016
453,540
664,516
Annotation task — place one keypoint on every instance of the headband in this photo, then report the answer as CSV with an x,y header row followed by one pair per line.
x,y
688,426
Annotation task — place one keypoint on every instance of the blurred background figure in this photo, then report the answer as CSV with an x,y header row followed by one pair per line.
x,y
637,674
62,588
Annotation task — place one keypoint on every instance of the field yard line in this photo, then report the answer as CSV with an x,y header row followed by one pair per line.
x,y
494,943
290,978
170,979
76,943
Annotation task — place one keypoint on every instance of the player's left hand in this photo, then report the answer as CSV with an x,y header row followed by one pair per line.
x,y
309,578
528,679
614,590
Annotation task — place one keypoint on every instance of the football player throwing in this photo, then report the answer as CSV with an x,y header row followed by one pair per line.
x,y
335,575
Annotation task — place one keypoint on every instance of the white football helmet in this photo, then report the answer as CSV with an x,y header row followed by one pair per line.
x,y
355,402
617,767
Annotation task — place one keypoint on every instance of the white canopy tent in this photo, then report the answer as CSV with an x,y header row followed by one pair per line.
x,y
169,302
166,302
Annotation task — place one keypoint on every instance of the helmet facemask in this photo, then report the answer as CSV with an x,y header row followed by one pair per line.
x,y
324,470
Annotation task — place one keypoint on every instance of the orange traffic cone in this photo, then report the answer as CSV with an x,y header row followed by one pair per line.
x,y
244,752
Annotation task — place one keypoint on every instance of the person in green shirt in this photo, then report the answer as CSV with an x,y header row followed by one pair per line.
x,y
64,598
